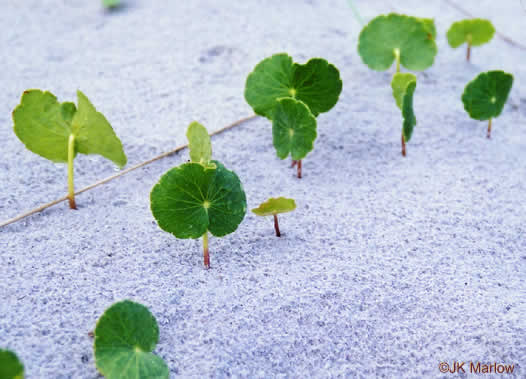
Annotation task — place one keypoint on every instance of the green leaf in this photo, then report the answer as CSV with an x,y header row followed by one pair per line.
x,y
317,83
94,134
10,365
485,96
431,29
275,205
293,129
199,144
111,3
385,36
408,113
404,85
44,126
124,337
191,199
474,31
399,84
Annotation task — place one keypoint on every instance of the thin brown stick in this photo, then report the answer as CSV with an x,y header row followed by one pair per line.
x,y
501,36
489,129
468,53
276,226
403,145
294,163
121,173
299,169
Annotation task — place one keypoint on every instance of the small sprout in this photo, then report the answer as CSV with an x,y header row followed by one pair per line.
x,y
485,96
293,130
110,4
316,83
125,336
59,131
407,40
404,86
274,206
193,199
10,365
474,32
199,144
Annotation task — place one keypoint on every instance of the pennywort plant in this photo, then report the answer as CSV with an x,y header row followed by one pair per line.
x,y
125,337
485,96
59,131
199,197
292,95
408,41
473,32
10,365
404,85
273,207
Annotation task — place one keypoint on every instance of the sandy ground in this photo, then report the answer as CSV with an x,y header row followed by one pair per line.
x,y
388,267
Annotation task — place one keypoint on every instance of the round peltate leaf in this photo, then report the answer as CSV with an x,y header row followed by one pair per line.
x,y
275,205
191,199
125,335
317,83
293,129
10,365
485,96
475,32
384,36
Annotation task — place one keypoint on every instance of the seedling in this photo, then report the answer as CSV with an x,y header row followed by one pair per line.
x,y
10,365
293,130
58,131
125,336
274,206
196,198
473,32
404,86
110,4
316,83
408,41
292,96
485,96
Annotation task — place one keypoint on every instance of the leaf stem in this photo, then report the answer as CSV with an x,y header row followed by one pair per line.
x,y
397,56
468,52
276,225
489,129
294,163
357,15
299,169
206,255
403,145
71,158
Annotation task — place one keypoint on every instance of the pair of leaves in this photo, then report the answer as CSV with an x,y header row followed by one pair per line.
x,y
10,365
317,84
125,336
404,86
485,96
475,32
44,126
275,205
200,196
387,36
292,95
